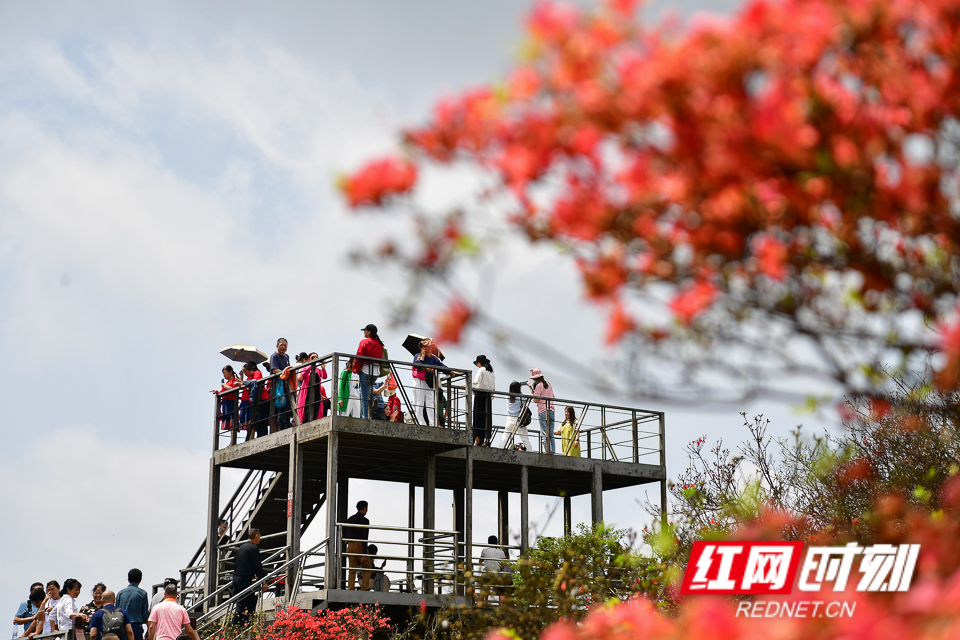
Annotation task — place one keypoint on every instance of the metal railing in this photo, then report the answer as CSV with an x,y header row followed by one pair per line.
x,y
598,431
435,566
328,386
221,613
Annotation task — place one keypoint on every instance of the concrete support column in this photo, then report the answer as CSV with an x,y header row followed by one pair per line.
x,y
411,523
429,518
596,496
663,465
344,509
503,517
294,511
332,568
210,581
524,510
468,512
567,516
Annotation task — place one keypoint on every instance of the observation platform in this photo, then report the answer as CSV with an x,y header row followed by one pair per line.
x,y
293,472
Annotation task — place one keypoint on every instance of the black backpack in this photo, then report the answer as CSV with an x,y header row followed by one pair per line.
x,y
112,622
525,416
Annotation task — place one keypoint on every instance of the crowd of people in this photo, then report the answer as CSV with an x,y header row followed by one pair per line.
x,y
360,393
110,615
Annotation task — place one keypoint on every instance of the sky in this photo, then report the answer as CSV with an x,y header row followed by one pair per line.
x,y
166,190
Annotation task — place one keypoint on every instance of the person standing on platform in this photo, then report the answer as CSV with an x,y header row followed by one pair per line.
x,y
483,384
569,437
518,414
135,602
53,599
357,544
280,359
94,605
168,618
371,346
543,389
28,609
110,619
247,568
67,613
425,380
259,411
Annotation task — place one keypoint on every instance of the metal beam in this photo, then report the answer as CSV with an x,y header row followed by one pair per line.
x,y
468,513
411,523
663,465
524,510
294,511
429,516
596,496
331,570
567,516
503,517
213,517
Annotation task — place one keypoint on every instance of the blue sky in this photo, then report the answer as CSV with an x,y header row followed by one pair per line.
x,y
166,189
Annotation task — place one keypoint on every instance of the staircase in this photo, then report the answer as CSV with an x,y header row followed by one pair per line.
x,y
260,501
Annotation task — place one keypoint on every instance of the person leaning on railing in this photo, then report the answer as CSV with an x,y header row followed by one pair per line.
x,y
67,613
30,612
516,405
255,418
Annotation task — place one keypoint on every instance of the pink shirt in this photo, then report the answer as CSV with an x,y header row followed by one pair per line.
x,y
539,390
169,617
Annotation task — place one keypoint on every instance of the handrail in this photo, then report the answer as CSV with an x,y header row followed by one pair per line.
x,y
260,582
200,602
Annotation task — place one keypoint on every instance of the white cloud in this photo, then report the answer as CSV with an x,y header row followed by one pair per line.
x,y
92,508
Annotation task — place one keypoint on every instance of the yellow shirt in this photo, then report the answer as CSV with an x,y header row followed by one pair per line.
x,y
566,436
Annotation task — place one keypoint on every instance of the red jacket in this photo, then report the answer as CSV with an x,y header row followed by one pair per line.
x,y
368,347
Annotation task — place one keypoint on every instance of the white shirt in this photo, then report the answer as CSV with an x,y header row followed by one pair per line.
x,y
485,380
48,618
65,607
491,559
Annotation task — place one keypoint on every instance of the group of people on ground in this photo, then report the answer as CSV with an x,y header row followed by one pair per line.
x,y
108,616
359,394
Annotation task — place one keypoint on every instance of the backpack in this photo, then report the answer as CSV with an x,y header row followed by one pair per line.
x,y
112,622
384,368
525,416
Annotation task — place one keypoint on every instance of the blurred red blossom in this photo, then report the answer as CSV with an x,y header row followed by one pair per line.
x,y
772,145
377,180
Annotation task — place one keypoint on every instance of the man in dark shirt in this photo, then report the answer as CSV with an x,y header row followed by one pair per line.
x,y
356,539
247,568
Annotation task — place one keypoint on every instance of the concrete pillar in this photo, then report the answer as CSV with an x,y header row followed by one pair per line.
x,y
567,516
663,465
429,518
596,496
411,523
468,512
332,568
294,511
524,510
503,517
210,581
344,510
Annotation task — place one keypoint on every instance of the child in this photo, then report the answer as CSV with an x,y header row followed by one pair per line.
x,y
228,402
